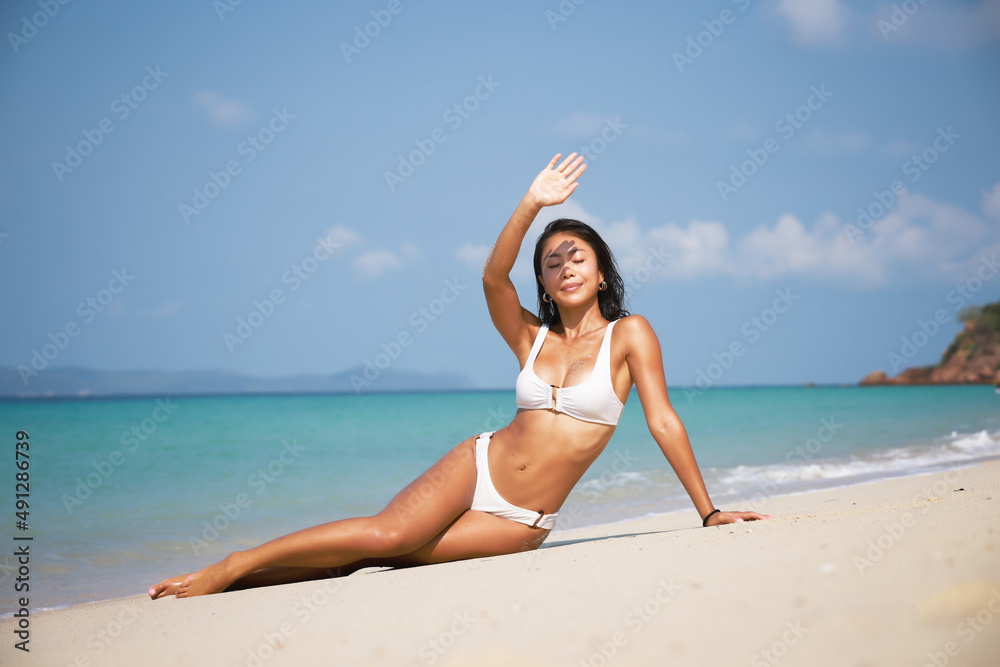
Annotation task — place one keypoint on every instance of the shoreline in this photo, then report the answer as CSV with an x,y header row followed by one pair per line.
x,y
876,574
739,503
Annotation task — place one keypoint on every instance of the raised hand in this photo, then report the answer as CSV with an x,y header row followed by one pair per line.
x,y
555,184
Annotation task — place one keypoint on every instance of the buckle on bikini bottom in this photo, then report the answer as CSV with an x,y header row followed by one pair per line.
x,y
541,515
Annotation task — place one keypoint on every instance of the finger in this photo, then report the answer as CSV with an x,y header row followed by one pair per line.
x,y
576,174
565,162
552,162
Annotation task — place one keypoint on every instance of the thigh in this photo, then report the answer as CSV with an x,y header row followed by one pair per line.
x,y
434,499
476,535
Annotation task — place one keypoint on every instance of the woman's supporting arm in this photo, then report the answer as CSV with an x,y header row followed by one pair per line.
x,y
645,363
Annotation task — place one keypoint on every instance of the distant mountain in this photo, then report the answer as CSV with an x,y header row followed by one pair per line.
x,y
972,358
78,381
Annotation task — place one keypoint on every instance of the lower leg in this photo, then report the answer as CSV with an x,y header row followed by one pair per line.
x,y
329,546
274,576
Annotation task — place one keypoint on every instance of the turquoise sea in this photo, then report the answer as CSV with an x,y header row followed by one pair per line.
x,y
124,492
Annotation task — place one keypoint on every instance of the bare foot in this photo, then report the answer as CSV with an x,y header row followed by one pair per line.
x,y
212,579
167,587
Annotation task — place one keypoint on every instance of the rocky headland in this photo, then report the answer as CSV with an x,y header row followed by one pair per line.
x,y
972,358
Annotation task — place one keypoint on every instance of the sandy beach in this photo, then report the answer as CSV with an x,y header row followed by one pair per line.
x,y
897,572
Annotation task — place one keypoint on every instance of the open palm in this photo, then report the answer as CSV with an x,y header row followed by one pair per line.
x,y
554,184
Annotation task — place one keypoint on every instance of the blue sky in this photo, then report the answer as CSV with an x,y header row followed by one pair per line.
x,y
172,168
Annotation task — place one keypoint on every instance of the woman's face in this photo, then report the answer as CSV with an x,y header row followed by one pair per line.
x,y
570,273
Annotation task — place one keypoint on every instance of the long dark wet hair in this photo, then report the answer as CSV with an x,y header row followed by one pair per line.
x,y
612,300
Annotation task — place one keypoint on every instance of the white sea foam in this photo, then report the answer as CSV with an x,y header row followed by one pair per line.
x,y
615,480
617,496
899,460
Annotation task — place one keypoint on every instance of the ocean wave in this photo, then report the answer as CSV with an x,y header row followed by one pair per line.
x,y
626,488
615,480
956,448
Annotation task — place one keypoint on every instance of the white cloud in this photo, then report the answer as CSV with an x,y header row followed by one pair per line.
x,y
166,310
371,264
816,22
918,240
580,125
991,202
411,251
473,255
941,25
702,248
374,263
223,112
343,236
950,26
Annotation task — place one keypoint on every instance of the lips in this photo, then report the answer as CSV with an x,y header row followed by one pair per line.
x,y
572,287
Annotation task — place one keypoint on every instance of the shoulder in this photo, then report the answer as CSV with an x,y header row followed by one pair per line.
x,y
634,328
635,336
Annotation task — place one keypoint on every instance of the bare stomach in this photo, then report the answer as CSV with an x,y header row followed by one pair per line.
x,y
537,459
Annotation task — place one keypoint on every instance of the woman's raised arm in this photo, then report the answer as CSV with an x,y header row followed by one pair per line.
x,y
552,186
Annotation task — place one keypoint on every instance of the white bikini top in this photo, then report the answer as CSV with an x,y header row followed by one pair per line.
x,y
593,400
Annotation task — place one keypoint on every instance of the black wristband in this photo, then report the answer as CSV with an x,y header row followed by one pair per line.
x,y
704,522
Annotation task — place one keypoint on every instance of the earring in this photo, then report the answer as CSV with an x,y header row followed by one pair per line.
x,y
546,300
603,286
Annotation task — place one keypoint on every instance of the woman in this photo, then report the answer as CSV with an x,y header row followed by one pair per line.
x,y
498,493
